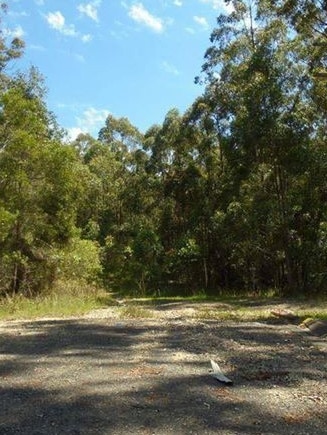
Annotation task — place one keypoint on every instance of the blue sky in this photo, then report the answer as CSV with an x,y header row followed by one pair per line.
x,y
134,59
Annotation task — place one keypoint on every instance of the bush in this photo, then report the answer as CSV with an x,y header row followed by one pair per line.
x,y
79,260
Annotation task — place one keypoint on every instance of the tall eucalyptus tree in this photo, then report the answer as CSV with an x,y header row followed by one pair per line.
x,y
259,89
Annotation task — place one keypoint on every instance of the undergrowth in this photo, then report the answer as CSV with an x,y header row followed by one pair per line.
x,y
66,298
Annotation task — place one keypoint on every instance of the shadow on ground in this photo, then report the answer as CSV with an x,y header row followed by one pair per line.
x,y
101,376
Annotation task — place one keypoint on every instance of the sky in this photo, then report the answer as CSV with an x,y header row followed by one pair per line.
x,y
133,59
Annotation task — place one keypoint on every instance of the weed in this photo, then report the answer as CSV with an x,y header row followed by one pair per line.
x,y
133,311
243,314
69,298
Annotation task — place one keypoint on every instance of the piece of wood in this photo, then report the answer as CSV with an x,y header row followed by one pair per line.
x,y
218,374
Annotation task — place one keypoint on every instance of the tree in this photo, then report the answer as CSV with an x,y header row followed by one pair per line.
x,y
306,16
40,188
258,90
120,134
9,50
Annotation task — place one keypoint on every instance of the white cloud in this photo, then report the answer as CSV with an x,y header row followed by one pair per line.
x,y
201,21
90,122
57,22
17,32
86,38
178,3
74,132
141,15
220,4
169,68
93,117
90,9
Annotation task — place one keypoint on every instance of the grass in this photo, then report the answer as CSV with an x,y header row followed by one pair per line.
x,y
134,312
249,309
73,298
236,314
239,308
229,297
317,313
66,299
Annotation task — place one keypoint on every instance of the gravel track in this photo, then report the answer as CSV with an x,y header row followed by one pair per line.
x,y
101,374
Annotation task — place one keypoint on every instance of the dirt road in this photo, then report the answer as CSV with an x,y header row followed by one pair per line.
x,y
102,374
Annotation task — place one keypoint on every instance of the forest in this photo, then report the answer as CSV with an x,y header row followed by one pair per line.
x,y
230,195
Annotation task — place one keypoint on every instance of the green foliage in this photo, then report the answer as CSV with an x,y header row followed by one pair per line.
x,y
231,195
66,298
7,220
41,189
79,260
8,50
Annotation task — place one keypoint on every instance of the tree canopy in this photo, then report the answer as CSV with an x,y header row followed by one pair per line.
x,y
230,194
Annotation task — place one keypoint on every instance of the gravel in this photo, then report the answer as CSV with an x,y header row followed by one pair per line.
x,y
103,374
